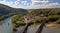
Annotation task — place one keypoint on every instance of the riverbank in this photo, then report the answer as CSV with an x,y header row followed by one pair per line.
x,y
53,25
46,25
49,25
5,17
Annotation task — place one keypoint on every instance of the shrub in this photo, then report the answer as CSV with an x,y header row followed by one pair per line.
x,y
37,20
58,21
53,18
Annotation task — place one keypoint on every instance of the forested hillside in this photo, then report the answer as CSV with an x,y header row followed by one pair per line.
x,y
6,11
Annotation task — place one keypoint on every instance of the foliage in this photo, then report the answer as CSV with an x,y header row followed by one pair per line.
x,y
53,17
37,20
37,15
6,11
58,21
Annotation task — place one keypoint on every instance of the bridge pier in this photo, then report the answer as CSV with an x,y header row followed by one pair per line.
x,y
25,28
41,27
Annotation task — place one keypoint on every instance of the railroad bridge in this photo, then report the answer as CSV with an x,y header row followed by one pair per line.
x,y
27,24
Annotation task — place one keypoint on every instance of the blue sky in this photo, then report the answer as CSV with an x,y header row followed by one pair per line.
x,y
55,1
29,0
20,4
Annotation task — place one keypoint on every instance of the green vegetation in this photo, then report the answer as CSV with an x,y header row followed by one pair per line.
x,y
53,18
38,15
6,11
58,21
18,19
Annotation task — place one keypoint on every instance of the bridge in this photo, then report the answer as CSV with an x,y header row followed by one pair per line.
x,y
27,24
39,30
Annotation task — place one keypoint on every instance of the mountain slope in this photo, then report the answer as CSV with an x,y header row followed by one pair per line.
x,y
6,11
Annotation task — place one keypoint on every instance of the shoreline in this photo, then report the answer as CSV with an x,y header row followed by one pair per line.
x,y
53,25
47,25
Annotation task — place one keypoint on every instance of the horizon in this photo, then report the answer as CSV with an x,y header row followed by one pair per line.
x,y
31,4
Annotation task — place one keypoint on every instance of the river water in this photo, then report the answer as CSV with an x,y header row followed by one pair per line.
x,y
33,29
51,30
7,28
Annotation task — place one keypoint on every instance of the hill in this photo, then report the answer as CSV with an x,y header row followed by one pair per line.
x,y
6,11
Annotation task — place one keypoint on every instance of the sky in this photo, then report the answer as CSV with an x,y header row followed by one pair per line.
x,y
28,4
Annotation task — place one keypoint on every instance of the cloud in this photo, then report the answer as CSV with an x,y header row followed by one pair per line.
x,y
4,2
11,4
24,4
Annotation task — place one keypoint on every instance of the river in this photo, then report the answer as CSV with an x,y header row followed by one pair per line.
x,y
7,28
33,29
